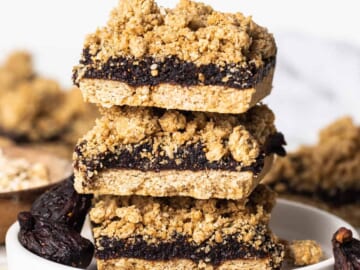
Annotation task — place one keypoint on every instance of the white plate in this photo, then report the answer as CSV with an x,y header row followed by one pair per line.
x,y
290,221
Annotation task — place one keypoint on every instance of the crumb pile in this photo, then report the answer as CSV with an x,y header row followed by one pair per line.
x,y
35,110
327,174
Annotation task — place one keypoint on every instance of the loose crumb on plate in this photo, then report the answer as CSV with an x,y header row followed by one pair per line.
x,y
304,252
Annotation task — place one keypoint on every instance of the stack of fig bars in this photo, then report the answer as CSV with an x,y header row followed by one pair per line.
x,y
183,142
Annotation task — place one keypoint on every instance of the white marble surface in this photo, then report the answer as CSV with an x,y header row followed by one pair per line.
x,y
316,81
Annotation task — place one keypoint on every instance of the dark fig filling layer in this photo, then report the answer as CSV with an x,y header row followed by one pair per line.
x,y
151,71
180,248
188,157
192,158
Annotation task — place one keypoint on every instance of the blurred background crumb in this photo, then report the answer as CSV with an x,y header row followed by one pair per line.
x,y
36,111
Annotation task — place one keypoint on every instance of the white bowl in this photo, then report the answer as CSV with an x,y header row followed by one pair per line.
x,y
296,221
290,221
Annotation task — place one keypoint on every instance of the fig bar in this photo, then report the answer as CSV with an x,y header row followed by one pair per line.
x,y
184,233
188,58
157,152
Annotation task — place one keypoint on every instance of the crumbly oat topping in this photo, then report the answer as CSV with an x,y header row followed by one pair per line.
x,y
19,174
35,108
331,166
191,31
158,219
242,136
304,252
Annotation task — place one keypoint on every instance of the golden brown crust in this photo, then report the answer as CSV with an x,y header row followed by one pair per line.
x,y
204,223
201,185
200,220
139,264
241,136
192,31
221,99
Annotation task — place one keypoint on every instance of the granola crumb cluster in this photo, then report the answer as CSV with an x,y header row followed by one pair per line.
x,y
191,31
332,165
19,174
304,252
33,108
158,219
242,136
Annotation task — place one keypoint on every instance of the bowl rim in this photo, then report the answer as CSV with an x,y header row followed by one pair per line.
x,y
13,231
330,261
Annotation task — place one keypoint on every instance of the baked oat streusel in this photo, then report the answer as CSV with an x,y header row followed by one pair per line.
x,y
327,174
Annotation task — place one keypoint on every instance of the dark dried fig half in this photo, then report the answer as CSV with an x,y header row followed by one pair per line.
x,y
54,241
62,204
346,250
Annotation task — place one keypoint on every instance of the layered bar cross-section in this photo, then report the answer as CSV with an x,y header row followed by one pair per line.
x,y
189,58
157,152
184,233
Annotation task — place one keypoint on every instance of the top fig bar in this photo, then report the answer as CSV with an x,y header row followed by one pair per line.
x,y
188,58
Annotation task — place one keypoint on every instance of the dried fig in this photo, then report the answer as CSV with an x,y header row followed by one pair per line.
x,y
346,250
54,241
63,204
